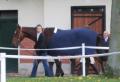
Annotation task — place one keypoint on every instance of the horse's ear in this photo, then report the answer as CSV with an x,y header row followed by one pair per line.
x,y
43,29
18,26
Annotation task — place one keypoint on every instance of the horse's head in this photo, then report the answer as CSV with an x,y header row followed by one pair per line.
x,y
31,33
18,36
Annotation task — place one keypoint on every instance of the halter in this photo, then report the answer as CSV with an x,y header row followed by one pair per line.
x,y
19,35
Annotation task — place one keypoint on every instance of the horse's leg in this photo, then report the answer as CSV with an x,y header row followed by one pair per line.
x,y
87,65
34,69
77,66
59,71
80,68
72,66
57,67
93,64
94,68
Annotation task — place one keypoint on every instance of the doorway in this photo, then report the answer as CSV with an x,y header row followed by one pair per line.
x,y
8,22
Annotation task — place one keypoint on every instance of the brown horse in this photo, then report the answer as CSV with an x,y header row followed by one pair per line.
x,y
23,32
30,32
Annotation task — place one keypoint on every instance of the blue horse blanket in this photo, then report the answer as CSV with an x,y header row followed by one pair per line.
x,y
71,38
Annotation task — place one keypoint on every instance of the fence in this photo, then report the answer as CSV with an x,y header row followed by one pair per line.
x,y
3,57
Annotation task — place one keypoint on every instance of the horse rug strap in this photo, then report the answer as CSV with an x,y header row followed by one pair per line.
x,y
55,30
92,60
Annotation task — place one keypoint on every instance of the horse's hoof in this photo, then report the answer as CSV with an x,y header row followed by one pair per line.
x,y
62,74
57,75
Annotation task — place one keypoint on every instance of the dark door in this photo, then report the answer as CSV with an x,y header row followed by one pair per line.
x,y
8,22
91,16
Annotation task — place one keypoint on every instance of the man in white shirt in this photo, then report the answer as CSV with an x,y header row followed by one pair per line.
x,y
40,44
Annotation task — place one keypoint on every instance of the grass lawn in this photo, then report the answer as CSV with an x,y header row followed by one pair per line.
x,y
64,79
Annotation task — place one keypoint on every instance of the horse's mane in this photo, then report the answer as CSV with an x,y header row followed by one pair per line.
x,y
29,32
30,29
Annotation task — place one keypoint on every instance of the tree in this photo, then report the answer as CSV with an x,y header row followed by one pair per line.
x,y
114,60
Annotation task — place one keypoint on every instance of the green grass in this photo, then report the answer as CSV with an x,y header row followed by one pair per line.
x,y
64,79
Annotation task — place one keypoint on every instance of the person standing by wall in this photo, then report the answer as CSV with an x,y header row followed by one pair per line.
x,y
104,41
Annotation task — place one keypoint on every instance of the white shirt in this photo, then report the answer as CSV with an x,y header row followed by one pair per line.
x,y
38,34
106,39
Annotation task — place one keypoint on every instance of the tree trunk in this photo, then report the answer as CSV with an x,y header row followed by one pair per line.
x,y
114,60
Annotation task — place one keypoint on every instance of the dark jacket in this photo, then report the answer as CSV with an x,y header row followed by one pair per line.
x,y
103,43
40,44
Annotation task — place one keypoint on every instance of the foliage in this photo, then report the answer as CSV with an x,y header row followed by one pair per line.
x,y
108,72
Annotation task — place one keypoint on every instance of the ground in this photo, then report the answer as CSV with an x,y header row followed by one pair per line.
x,y
64,79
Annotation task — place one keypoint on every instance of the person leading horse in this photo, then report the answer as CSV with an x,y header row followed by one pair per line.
x,y
30,32
40,44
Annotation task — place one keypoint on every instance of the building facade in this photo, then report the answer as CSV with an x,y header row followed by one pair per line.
x,y
49,13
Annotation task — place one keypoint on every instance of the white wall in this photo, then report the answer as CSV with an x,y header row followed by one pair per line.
x,y
108,15
50,13
58,12
30,12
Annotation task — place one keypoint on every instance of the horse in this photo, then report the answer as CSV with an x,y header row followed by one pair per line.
x,y
30,32
71,38
53,40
